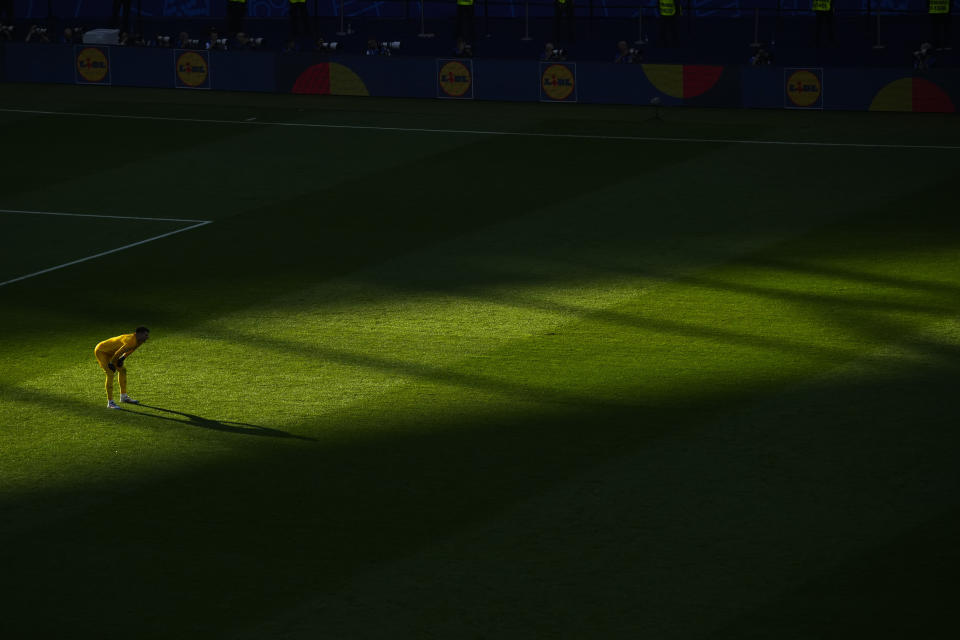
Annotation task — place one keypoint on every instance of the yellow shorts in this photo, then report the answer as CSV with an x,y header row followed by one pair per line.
x,y
103,357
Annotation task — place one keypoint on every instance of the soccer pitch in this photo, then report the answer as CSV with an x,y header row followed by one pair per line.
x,y
454,370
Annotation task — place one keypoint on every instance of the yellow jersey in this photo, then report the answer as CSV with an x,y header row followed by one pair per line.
x,y
118,347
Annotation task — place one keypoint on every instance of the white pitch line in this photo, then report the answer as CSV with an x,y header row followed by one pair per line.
x,y
106,253
93,215
480,132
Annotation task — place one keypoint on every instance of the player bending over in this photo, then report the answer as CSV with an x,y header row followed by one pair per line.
x,y
111,355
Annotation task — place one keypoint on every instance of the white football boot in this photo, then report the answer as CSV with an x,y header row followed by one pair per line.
x,y
125,398
112,405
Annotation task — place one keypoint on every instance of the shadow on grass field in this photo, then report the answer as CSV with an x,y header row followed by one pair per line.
x,y
242,428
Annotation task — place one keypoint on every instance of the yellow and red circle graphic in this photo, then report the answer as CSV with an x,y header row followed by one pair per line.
x,y
557,82
803,88
330,78
192,69
92,64
455,79
912,94
682,80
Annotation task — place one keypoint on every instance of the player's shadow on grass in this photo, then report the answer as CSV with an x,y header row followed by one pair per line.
x,y
229,426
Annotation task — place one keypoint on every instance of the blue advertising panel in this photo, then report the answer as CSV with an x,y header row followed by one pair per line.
x,y
670,85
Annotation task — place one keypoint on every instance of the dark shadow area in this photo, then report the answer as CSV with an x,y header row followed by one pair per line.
x,y
227,426
864,596
858,233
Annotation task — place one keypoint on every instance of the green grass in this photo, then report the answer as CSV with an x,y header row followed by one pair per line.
x,y
414,384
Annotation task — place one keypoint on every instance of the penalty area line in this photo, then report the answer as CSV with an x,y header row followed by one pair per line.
x,y
96,215
481,132
106,253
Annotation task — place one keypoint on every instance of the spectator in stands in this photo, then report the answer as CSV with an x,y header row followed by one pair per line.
x,y
465,19
627,54
563,27
115,21
923,58
37,34
215,42
462,49
131,40
375,48
299,18
939,11
68,36
669,12
552,53
760,57
183,40
290,47
241,41
236,12
6,32
823,10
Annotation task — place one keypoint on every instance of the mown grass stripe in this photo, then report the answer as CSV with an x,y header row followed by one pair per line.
x,y
483,132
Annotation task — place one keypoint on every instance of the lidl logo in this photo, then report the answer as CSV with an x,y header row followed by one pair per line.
x,y
455,79
804,88
193,68
557,82
92,64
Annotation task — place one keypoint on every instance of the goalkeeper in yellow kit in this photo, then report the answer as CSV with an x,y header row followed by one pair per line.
x,y
111,355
